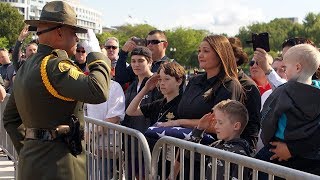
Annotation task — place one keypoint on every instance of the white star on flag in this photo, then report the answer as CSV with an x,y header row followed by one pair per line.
x,y
152,127
162,134
177,128
187,136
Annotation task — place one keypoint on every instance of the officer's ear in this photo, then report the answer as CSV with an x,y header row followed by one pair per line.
x,y
59,32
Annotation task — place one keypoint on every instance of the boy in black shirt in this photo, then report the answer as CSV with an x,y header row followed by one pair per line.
x,y
170,77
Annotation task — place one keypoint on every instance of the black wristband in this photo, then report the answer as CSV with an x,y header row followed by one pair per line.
x,y
197,135
268,71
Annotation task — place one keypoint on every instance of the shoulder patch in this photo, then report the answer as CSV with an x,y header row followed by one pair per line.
x,y
68,66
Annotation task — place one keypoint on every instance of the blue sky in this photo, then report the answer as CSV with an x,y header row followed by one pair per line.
x,y
217,16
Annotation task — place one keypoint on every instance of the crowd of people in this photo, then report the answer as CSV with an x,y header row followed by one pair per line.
x,y
277,101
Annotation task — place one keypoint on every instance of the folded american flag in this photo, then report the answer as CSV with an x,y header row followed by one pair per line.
x,y
155,132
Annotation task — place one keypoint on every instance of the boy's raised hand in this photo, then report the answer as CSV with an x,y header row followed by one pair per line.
x,y
207,122
152,82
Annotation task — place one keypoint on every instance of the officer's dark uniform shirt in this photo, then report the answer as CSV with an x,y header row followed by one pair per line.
x,y
193,104
160,110
48,89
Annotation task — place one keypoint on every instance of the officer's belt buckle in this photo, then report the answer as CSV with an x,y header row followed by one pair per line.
x,y
46,134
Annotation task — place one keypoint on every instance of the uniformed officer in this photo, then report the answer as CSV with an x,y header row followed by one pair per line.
x,y
48,91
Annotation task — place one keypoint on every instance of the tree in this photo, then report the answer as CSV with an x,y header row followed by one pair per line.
x,y
311,26
102,38
11,23
4,42
186,42
124,32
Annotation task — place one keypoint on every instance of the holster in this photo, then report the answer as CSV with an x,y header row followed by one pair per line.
x,y
75,136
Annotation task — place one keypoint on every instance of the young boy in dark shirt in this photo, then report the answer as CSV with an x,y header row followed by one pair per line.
x,y
229,118
170,77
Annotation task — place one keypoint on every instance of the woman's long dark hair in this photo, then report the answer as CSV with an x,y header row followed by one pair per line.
x,y
228,71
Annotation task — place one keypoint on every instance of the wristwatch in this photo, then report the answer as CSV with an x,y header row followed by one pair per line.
x,y
268,71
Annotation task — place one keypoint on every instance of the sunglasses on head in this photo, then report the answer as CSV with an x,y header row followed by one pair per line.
x,y
251,63
111,47
154,41
83,51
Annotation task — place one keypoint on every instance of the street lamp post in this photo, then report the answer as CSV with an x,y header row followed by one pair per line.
x,y
172,51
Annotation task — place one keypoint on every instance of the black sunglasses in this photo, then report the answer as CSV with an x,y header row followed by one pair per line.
x,y
154,41
48,30
251,63
111,47
81,51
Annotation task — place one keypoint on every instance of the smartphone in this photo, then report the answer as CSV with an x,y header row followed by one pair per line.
x,y
260,40
32,28
139,41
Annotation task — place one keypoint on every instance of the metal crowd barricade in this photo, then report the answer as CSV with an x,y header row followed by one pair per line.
x,y
208,154
115,152
5,142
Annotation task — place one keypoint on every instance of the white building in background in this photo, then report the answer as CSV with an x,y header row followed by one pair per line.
x,y
88,18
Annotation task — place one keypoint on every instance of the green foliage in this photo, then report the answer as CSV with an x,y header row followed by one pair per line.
x,y
102,38
11,23
311,26
4,43
124,32
186,42
278,30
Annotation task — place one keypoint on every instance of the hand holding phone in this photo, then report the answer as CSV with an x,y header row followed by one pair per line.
x,y
139,41
260,40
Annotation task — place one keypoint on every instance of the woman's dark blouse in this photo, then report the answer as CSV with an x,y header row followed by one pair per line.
x,y
194,105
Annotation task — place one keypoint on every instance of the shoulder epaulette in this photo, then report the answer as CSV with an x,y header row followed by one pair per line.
x,y
44,74
60,53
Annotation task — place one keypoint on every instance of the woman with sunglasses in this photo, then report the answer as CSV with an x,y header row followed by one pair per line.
x,y
80,58
259,77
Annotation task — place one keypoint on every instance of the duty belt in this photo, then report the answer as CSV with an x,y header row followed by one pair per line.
x,y
46,134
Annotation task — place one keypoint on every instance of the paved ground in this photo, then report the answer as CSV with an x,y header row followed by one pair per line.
x,y
6,168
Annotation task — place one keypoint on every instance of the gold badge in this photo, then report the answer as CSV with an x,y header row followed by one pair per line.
x,y
67,66
207,93
170,116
